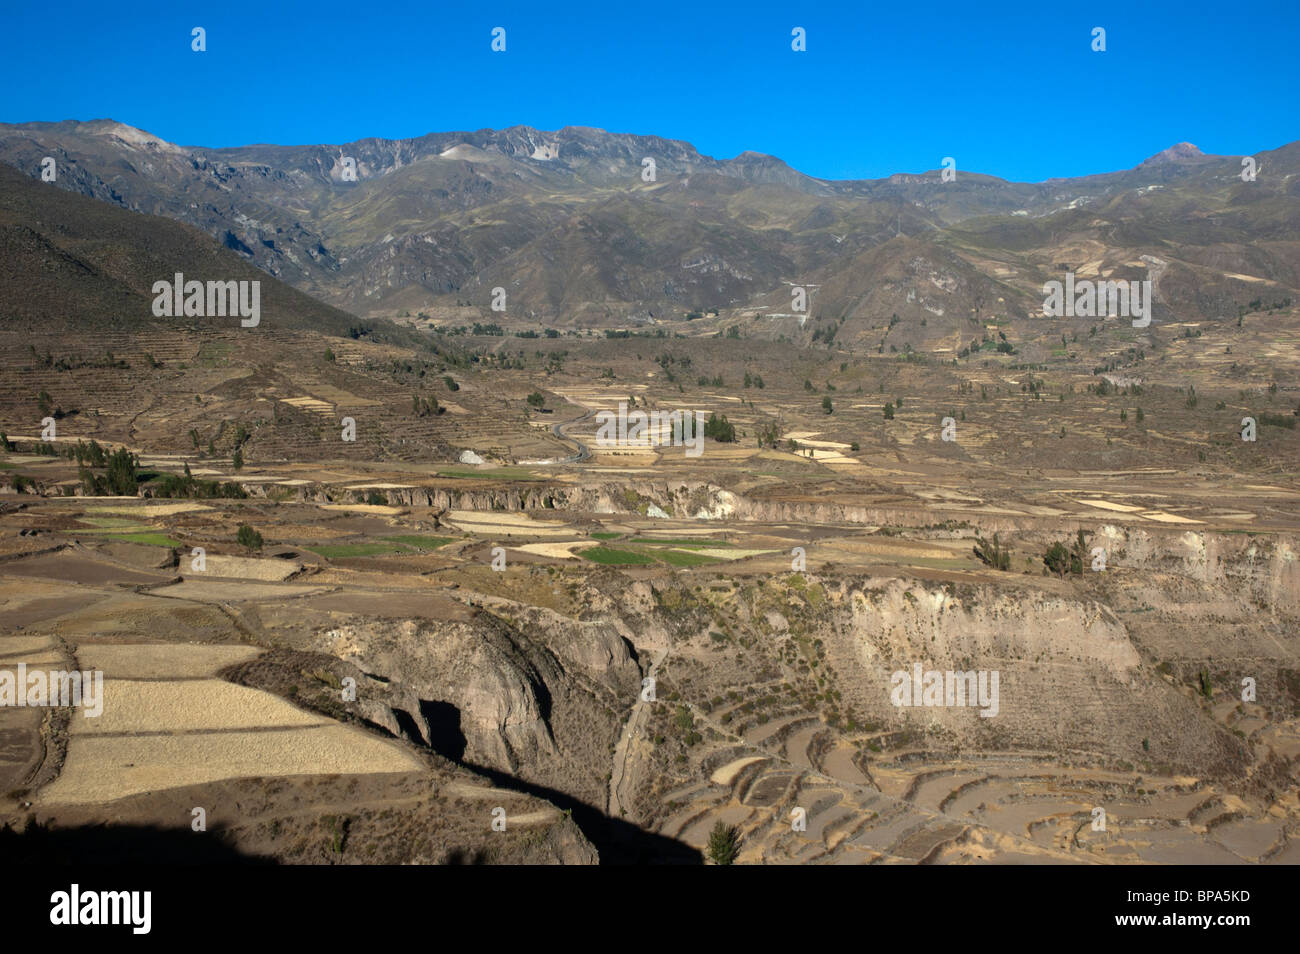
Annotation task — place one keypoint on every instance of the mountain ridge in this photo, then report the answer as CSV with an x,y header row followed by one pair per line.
x,y
138,136
576,229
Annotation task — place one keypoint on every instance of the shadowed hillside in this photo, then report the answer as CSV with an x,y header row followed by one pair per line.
x,y
67,261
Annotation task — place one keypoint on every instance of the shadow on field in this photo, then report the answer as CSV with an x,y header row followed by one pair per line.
x,y
121,844
618,842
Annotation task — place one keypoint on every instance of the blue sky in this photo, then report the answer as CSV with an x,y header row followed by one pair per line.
x,y
1012,90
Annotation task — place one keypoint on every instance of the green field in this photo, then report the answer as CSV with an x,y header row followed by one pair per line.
x,y
420,542
606,535
678,558
685,544
612,557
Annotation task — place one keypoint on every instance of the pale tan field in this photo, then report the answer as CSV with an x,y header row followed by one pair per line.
x,y
157,732
559,551
364,508
500,519
506,525
162,660
727,773
101,769
726,553
1109,505
147,510
1161,517
248,568
189,705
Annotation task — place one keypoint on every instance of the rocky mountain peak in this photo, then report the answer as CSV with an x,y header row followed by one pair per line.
x,y
1178,152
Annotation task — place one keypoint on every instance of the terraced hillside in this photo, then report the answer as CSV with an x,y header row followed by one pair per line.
x,y
370,593
771,688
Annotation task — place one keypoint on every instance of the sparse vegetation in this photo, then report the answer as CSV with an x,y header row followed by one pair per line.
x,y
724,843
718,428
992,553
248,538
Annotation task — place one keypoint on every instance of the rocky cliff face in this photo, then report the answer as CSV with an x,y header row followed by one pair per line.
x,y
1070,677
693,499
538,696
1262,567
905,622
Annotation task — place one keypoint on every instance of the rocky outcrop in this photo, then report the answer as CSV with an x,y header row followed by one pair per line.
x,y
538,697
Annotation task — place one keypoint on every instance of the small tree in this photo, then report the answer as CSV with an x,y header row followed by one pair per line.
x,y
536,399
889,412
1079,553
237,459
724,843
719,428
121,473
248,538
1057,559
993,554
826,405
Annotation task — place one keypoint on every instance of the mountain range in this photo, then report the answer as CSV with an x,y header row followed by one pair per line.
x,y
578,233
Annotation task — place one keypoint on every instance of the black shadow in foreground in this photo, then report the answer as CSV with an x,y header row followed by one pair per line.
x,y
120,844
618,842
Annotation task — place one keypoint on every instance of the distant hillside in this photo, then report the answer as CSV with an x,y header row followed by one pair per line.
x,y
70,262
578,234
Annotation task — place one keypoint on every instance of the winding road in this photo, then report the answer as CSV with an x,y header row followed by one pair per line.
x,y
584,453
